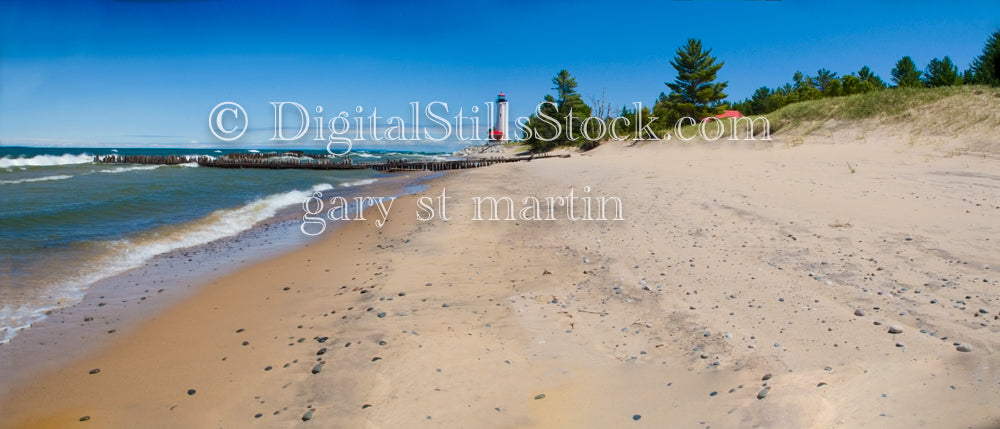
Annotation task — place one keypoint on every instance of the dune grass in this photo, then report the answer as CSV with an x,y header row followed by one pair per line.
x,y
884,104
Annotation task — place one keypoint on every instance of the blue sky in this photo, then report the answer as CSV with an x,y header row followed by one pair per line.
x,y
147,73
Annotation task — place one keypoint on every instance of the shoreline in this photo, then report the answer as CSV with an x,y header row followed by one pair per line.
x,y
115,304
760,297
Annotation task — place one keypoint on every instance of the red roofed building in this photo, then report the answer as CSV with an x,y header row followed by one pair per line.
x,y
727,114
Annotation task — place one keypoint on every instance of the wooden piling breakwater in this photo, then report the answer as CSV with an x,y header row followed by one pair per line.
x,y
145,159
299,160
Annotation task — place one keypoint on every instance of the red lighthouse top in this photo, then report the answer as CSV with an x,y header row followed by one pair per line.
x,y
502,94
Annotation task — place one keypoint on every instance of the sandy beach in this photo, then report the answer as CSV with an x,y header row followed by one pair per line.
x,y
749,285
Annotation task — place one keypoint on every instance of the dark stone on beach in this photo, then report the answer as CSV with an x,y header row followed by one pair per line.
x,y
366,406
636,417
859,312
899,345
95,371
307,416
322,339
766,377
763,393
321,351
964,348
446,305
381,314
84,418
258,415
318,368
239,330
540,396
87,319
713,393
402,294
246,343
267,368
895,329
112,331
546,272
821,384
376,359
191,392
286,288
382,343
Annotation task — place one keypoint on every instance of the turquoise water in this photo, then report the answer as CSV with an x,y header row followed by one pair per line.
x,y
66,222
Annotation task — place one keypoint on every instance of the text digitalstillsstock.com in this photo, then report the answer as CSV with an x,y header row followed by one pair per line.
x,y
228,121
571,207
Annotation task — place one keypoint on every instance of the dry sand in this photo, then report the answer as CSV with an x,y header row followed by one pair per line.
x,y
733,262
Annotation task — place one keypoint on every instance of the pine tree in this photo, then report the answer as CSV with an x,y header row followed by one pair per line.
x,y
666,114
695,92
565,86
871,80
942,73
824,81
905,74
986,67
567,102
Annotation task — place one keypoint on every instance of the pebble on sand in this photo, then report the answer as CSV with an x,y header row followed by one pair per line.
x,y
636,417
964,348
84,418
859,312
307,416
540,396
763,393
895,329
191,392
95,371
318,368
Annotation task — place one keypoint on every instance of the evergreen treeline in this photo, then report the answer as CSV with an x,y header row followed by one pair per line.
x,y
695,93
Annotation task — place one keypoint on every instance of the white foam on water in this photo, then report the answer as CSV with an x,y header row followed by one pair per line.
x,y
35,179
357,183
132,253
46,160
131,168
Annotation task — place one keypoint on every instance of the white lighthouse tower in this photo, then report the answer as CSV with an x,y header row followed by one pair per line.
x,y
499,134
